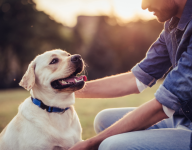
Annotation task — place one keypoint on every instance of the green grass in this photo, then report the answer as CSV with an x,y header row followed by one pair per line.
x,y
86,108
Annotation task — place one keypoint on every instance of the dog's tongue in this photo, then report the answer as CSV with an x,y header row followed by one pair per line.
x,y
72,79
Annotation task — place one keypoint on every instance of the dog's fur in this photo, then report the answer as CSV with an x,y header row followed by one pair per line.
x,y
34,128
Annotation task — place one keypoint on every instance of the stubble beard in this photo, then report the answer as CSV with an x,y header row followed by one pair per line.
x,y
167,14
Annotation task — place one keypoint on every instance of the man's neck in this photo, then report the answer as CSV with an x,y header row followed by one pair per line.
x,y
181,5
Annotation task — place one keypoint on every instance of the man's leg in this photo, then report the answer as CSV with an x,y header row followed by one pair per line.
x,y
154,139
109,116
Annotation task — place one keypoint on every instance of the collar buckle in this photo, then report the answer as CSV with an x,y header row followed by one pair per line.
x,y
48,108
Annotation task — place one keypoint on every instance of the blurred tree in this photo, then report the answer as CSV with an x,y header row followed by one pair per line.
x,y
25,33
113,48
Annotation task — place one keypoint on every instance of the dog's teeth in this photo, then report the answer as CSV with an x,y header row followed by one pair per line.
x,y
75,81
63,82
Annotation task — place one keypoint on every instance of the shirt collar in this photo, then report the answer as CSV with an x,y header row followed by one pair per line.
x,y
173,23
186,16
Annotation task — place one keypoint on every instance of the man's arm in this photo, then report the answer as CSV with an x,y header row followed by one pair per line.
x,y
175,92
109,87
139,119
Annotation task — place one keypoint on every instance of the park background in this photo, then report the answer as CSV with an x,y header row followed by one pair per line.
x,y
111,36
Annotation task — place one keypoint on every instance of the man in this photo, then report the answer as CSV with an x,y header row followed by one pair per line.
x,y
128,128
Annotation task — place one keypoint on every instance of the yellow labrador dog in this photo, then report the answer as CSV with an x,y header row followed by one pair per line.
x,y
47,119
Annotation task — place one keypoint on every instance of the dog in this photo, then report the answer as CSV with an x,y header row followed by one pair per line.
x,y
47,120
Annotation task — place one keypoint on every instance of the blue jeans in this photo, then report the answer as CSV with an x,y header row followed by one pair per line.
x,y
169,134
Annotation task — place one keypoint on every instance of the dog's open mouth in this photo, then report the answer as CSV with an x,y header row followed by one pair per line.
x,y
71,81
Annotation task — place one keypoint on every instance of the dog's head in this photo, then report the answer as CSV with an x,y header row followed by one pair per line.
x,y
54,71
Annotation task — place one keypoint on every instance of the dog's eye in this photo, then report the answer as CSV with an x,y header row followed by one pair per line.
x,y
54,61
68,54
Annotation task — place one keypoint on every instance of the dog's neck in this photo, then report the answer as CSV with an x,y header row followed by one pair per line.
x,y
53,99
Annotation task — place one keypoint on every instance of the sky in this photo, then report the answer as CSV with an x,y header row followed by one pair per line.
x,y
66,11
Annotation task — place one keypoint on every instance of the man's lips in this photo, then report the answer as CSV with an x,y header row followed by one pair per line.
x,y
152,10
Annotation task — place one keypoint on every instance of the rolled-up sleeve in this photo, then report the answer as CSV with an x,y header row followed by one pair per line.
x,y
155,64
176,91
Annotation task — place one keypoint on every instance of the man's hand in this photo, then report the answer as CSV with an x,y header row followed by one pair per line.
x,y
80,146
85,145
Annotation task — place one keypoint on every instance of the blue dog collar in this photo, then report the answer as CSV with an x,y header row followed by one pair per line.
x,y
48,108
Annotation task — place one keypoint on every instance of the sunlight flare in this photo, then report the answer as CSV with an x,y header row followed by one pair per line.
x,y
66,12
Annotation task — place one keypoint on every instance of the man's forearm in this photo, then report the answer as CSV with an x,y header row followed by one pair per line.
x,y
109,87
140,119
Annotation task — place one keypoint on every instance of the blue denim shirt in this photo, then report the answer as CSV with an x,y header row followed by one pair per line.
x,y
173,48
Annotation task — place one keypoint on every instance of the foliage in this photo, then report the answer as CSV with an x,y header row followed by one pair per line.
x,y
25,33
116,49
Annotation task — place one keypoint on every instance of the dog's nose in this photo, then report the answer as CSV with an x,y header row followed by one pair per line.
x,y
76,58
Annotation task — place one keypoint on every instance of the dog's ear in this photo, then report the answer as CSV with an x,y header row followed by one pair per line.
x,y
28,79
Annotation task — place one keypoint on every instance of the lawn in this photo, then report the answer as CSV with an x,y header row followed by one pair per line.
x,y
86,108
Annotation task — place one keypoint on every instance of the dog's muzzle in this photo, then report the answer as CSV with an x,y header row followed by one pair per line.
x,y
73,80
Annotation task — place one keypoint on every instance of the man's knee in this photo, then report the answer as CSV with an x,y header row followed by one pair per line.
x,y
124,141
107,144
99,122
107,117
113,143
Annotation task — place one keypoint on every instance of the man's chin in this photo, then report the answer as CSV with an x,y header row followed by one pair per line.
x,y
161,19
